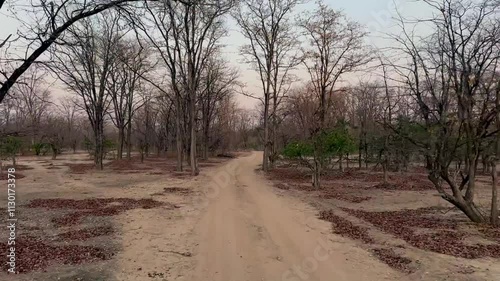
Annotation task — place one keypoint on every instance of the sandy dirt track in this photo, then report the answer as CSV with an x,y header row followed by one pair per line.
x,y
248,232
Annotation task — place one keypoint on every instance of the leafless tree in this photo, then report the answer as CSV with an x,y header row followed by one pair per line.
x,y
335,47
84,64
188,33
32,99
124,80
218,82
444,73
70,112
51,20
271,50
366,108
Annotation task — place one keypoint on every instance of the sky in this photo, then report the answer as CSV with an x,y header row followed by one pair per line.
x,y
375,15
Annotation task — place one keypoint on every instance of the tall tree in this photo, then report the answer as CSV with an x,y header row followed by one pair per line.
x,y
188,33
84,64
270,50
218,82
444,72
335,47
124,81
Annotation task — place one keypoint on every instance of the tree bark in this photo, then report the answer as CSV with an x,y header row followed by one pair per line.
x,y
360,153
341,158
99,143
129,140
316,176
178,132
121,133
265,161
494,194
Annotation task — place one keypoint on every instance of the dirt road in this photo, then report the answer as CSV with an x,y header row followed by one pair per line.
x,y
248,232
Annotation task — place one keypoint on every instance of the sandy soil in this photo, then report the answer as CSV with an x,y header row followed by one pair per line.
x,y
250,233
231,226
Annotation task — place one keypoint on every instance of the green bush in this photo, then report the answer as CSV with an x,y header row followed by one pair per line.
x,y
9,147
40,148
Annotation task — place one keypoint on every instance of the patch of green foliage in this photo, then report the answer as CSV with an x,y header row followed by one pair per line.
x,y
335,142
40,148
9,147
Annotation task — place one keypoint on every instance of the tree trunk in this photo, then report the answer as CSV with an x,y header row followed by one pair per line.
x,y
316,176
121,133
129,140
274,133
366,154
494,190
193,160
473,214
178,132
54,152
265,160
341,168
360,153
494,194
384,168
206,140
485,165
99,146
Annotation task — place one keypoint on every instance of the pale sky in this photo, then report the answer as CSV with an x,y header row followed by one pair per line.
x,y
374,14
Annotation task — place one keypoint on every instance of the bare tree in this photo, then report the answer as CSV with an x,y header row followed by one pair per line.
x,y
84,64
123,83
335,48
188,35
70,111
271,51
444,72
32,99
52,20
218,82
494,173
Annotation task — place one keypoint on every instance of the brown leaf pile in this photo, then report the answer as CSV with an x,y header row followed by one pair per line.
x,y
86,233
126,165
401,186
394,260
23,167
331,193
4,176
325,192
490,232
34,254
288,174
177,190
79,168
282,186
53,168
413,182
93,207
444,240
346,228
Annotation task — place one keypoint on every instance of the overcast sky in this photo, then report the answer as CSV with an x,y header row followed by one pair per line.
x,y
375,15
